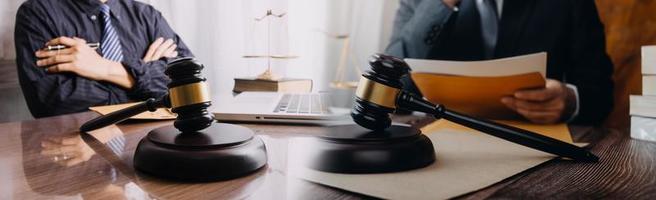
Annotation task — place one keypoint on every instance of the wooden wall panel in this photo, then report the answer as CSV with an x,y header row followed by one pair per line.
x,y
629,25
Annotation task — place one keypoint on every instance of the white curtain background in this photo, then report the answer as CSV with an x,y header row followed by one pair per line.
x,y
8,10
219,31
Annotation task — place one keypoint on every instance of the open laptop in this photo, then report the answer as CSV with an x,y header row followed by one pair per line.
x,y
302,108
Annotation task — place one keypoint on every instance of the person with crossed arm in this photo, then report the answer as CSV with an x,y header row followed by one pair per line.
x,y
578,88
135,42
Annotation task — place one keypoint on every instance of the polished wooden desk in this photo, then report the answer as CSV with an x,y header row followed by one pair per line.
x,y
31,169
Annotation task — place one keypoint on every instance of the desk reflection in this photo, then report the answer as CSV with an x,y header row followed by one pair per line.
x,y
59,162
69,150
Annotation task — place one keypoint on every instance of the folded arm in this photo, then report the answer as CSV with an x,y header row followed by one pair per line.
x,y
148,70
76,78
53,94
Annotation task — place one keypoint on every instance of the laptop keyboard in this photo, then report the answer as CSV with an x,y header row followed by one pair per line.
x,y
313,103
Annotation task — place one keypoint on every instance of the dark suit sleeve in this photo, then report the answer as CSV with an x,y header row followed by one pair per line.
x,y
52,94
592,69
417,26
150,80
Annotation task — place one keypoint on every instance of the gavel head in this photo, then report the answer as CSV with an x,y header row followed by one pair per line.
x,y
377,92
189,95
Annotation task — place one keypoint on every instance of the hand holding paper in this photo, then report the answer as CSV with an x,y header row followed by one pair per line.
x,y
545,105
496,89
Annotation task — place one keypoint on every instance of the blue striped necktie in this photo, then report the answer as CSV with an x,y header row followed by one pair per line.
x,y
110,45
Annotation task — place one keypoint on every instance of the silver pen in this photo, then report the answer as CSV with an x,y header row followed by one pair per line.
x,y
60,47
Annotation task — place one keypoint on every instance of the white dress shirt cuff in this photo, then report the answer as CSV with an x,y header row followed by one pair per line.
x,y
576,109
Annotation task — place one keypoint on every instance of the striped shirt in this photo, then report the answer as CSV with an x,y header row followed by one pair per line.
x,y
137,25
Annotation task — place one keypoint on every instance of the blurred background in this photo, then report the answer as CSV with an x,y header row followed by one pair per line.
x,y
221,32
321,33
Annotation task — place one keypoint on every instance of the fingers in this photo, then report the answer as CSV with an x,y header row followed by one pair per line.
x,y
542,117
46,144
45,53
152,48
73,161
555,104
537,112
169,51
66,41
58,141
553,88
64,67
55,60
545,105
63,41
74,43
159,53
161,48
535,94
59,150
71,140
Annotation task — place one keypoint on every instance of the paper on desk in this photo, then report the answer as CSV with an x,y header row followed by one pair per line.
x,y
160,113
466,162
476,87
556,131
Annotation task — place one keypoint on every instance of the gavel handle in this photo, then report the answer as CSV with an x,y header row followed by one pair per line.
x,y
520,136
120,115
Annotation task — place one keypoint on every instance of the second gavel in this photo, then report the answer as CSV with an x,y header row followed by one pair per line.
x,y
380,93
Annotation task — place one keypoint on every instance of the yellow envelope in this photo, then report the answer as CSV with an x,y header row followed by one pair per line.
x,y
161,113
556,131
473,95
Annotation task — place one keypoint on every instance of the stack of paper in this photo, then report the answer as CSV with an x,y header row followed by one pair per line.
x,y
643,117
476,87
643,108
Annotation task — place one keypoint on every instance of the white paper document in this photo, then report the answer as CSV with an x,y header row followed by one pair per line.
x,y
466,162
524,64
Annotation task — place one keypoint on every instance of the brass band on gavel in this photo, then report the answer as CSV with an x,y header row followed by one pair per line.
x,y
189,94
377,93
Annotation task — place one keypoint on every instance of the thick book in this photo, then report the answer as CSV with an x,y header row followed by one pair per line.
x,y
288,85
644,106
649,85
643,128
649,60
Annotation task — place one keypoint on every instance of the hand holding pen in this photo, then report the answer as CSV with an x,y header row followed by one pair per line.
x,y
66,54
60,47
75,55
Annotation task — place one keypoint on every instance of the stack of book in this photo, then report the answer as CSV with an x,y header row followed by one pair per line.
x,y
286,85
643,107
